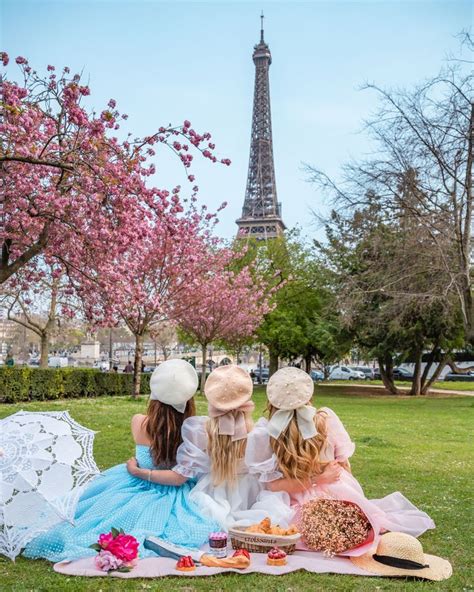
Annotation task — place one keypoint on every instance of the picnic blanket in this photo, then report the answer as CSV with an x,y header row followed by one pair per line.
x,y
155,567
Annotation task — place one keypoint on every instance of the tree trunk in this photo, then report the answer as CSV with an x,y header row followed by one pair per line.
x,y
455,369
137,371
386,372
442,363
44,349
307,363
273,362
416,384
203,367
466,246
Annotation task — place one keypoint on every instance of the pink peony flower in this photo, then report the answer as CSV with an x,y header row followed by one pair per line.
x,y
124,546
105,540
106,561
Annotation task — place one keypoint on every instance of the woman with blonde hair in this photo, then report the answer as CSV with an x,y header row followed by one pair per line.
x,y
213,452
304,452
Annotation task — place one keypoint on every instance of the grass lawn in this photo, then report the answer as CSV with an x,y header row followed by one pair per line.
x,y
419,446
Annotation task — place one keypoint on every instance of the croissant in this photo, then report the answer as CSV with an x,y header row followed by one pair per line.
x,y
239,562
265,527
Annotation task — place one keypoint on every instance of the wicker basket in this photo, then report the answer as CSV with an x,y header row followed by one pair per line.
x,y
254,542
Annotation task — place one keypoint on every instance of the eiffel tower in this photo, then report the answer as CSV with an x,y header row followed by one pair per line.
x,y
261,213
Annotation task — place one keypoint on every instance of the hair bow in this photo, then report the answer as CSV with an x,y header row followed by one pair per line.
x,y
232,423
304,418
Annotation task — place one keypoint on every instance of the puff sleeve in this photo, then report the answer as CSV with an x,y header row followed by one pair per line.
x,y
192,459
338,437
259,456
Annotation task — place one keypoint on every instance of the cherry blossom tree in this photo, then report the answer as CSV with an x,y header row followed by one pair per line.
x,y
69,187
223,304
155,277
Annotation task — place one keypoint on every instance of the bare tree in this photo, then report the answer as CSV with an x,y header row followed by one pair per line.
x,y
38,300
164,338
424,146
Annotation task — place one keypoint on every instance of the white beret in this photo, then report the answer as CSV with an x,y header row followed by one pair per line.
x,y
290,388
174,382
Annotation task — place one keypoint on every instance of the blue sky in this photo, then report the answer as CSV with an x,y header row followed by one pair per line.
x,y
169,61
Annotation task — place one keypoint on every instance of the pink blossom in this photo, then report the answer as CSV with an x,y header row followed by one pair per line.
x,y
124,546
105,539
21,60
4,57
107,561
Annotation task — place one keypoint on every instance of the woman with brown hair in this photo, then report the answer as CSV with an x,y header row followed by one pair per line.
x,y
137,503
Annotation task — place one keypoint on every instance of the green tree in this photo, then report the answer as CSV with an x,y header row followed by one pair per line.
x,y
392,291
304,322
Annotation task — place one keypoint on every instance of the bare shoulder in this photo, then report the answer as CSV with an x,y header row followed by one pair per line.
x,y
138,419
138,428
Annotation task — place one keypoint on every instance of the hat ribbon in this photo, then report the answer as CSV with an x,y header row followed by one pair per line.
x,y
280,420
398,562
232,423
180,407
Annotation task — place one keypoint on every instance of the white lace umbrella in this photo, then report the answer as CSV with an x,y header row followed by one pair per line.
x,y
45,461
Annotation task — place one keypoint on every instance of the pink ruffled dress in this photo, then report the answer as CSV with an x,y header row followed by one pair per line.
x,y
393,512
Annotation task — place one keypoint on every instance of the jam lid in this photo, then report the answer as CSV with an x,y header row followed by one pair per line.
x,y
218,536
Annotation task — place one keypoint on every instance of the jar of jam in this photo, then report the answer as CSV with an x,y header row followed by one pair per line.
x,y
218,544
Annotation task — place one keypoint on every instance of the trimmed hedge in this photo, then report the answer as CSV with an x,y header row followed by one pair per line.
x,y
31,384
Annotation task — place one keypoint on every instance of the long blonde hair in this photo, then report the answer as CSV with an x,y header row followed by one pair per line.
x,y
225,454
298,458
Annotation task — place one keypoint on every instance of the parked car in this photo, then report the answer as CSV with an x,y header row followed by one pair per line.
x,y
345,373
260,375
402,374
366,371
102,365
468,377
317,375
398,374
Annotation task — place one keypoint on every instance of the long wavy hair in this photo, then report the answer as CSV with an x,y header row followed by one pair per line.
x,y
163,427
225,455
298,458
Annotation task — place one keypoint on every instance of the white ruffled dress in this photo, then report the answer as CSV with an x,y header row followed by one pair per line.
x,y
394,512
242,503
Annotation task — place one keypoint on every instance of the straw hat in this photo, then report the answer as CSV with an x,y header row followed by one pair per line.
x,y
174,382
290,388
228,387
401,555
